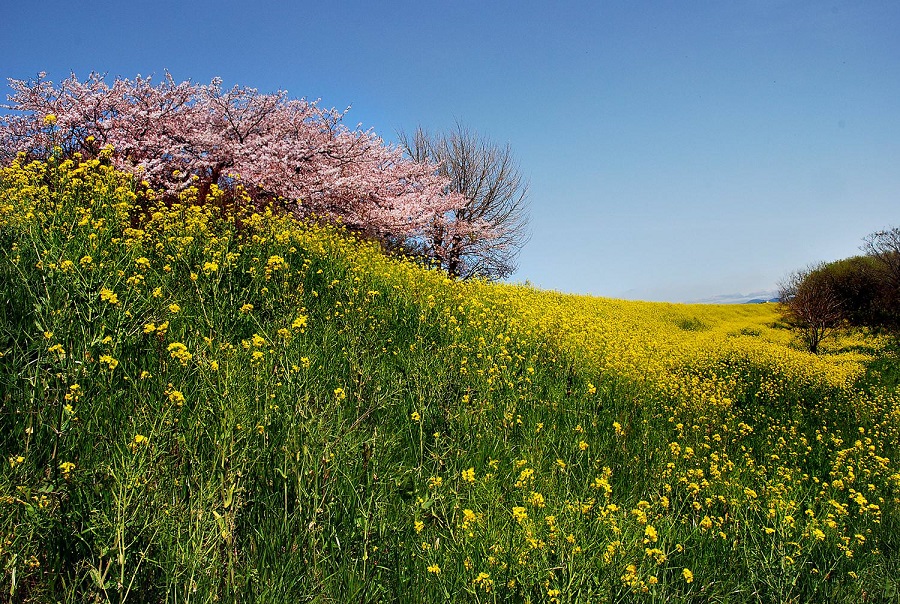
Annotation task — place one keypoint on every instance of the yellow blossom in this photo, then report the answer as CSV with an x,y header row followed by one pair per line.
x,y
179,351
137,442
536,499
107,295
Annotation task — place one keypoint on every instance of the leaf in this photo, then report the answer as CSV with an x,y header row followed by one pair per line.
x,y
229,497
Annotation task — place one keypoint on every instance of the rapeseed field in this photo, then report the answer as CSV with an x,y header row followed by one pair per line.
x,y
211,403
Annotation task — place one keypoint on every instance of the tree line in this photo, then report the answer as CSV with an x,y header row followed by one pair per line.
x,y
862,291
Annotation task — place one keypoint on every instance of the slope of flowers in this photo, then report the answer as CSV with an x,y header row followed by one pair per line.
x,y
211,407
672,346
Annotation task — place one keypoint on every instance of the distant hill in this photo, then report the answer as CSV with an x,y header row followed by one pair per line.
x,y
758,297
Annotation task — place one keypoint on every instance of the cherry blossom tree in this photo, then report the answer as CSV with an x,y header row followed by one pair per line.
x,y
178,135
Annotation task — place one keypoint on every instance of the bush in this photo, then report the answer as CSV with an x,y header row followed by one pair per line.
x,y
811,304
859,289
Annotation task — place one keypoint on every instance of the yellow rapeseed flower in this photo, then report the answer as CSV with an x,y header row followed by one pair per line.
x,y
107,295
179,351
536,499
519,514
137,442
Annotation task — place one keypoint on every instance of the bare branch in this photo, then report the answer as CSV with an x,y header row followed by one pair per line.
x,y
482,237
811,304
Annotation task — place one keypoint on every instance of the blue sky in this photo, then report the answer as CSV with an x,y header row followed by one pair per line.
x,y
675,150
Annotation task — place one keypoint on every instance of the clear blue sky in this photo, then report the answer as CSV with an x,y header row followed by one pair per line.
x,y
675,150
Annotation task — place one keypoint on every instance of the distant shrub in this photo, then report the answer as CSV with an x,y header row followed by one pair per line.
x,y
860,291
883,247
691,324
811,304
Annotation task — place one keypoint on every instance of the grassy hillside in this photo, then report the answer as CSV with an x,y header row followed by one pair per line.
x,y
203,405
